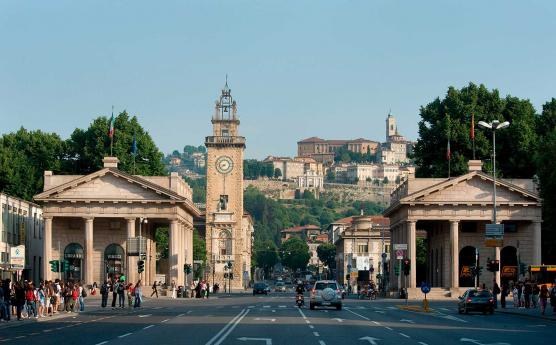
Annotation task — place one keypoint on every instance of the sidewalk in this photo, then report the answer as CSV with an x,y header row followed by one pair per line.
x,y
531,312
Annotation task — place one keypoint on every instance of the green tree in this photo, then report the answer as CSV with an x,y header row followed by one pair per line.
x,y
277,173
451,118
161,239
87,148
295,254
385,180
327,254
266,255
24,156
330,175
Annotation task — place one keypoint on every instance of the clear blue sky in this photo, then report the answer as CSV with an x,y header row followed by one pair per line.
x,y
297,68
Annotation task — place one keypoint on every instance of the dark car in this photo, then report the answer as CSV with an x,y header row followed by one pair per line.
x,y
260,288
476,300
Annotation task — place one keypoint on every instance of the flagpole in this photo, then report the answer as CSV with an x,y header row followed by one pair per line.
x,y
112,135
473,133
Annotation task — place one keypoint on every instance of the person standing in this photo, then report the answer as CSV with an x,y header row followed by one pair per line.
x,y
495,293
121,294
535,295
155,290
553,297
82,295
173,287
138,294
19,294
543,297
7,301
41,300
130,294
114,289
30,301
104,290
503,295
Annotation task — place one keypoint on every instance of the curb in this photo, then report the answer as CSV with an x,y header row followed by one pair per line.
x,y
15,323
543,317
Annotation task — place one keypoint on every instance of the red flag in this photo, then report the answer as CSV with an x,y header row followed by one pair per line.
x,y
448,152
472,134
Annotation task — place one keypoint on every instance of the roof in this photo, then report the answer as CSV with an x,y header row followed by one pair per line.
x,y
377,220
312,140
301,228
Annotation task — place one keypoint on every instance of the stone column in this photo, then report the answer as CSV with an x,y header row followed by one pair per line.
x,y
47,248
454,243
173,252
537,253
131,261
88,277
411,245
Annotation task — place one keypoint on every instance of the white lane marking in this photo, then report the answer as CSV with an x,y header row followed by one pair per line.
x,y
282,306
422,343
164,320
266,306
445,309
301,312
264,319
338,319
225,328
267,341
380,311
321,342
316,334
393,308
376,323
149,326
189,311
311,326
404,335
361,316
274,311
307,321
124,335
406,320
450,317
232,327
479,343
102,343
251,307
388,328
181,315
146,315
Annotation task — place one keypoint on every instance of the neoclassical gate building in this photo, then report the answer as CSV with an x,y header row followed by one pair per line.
x,y
453,212
88,220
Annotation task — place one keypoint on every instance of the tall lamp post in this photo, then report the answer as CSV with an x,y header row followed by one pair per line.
x,y
493,126
141,222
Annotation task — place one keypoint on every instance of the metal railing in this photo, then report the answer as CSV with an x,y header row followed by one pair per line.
x,y
225,140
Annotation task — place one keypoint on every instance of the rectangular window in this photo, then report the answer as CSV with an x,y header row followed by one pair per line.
x,y
225,132
362,248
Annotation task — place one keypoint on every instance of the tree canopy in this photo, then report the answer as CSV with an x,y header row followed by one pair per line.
x,y
295,253
327,254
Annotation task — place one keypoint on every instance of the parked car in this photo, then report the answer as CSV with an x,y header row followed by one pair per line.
x,y
326,293
280,286
260,288
476,300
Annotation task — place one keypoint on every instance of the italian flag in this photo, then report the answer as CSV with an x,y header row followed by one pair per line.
x,y
111,129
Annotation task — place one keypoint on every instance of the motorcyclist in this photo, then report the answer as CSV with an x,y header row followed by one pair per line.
x,y
299,293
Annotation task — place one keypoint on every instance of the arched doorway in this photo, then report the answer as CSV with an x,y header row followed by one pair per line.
x,y
73,253
114,261
466,261
508,264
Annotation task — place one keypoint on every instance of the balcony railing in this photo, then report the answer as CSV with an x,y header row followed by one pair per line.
x,y
223,258
225,140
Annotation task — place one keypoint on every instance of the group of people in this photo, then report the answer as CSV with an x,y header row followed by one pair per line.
x,y
119,290
527,294
26,299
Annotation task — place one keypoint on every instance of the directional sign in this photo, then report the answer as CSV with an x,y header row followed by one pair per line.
x,y
401,246
400,254
267,341
17,257
425,288
371,340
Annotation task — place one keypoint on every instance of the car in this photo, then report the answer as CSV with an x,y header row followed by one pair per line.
x,y
280,286
476,300
326,293
260,289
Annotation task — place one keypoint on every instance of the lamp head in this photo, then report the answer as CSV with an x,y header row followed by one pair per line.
x,y
485,125
503,125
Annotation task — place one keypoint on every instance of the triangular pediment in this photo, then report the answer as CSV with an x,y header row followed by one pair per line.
x,y
473,188
109,184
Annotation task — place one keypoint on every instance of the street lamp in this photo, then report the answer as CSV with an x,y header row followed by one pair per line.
x,y
141,222
493,126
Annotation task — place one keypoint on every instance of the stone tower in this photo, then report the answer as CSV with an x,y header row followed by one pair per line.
x,y
225,235
391,129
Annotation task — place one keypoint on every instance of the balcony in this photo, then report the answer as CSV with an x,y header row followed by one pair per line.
x,y
225,140
223,258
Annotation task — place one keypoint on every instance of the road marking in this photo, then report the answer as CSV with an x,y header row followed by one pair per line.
x,y
21,336
406,320
233,326
376,323
251,307
266,306
180,315
445,309
189,311
274,311
264,319
338,319
228,325
479,343
450,317
380,311
361,316
321,342
311,326
146,315
393,308
268,341
371,340
149,326
34,333
301,312
307,321
316,334
404,335
102,343
282,306
124,335
164,320
388,328
421,343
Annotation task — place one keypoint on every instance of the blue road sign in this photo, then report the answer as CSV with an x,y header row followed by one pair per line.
x,y
425,288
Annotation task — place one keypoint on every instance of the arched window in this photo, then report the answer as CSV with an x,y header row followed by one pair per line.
x,y
114,260
73,253
225,243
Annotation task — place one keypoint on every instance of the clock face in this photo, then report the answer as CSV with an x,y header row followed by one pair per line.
x,y
224,164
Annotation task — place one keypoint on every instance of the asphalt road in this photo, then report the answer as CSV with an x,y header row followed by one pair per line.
x,y
263,320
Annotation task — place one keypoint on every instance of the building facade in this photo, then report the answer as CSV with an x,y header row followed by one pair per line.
x,y
92,221
228,231
21,224
453,214
323,151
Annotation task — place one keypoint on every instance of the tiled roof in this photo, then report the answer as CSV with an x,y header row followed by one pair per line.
x,y
301,228
312,140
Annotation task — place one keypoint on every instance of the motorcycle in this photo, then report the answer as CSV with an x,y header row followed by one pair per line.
x,y
372,294
299,300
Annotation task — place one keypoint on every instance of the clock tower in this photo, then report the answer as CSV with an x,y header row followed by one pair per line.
x,y
228,230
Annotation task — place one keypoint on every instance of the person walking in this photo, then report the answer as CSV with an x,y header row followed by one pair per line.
x,y
19,299
82,295
155,290
535,295
104,291
503,294
173,287
495,293
527,290
6,293
138,294
553,297
543,297
130,294
121,294
2,303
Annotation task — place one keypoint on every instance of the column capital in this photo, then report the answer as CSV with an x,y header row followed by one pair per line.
x,y
454,221
130,219
47,217
89,218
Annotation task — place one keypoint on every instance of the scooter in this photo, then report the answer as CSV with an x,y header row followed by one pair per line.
x,y
299,300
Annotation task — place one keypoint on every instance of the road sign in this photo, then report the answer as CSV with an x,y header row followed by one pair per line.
x,y
494,242
17,257
401,246
400,254
425,288
494,230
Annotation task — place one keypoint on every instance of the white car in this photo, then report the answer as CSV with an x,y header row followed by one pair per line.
x,y
326,293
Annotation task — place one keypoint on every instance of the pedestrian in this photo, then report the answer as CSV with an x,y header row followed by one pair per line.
x,y
74,296
31,300
2,303
94,289
82,295
19,299
527,291
57,296
495,293
114,289
543,297
519,293
155,290
503,295
138,294
553,297
104,290
6,293
535,295
49,298
130,294
173,287
121,294
41,300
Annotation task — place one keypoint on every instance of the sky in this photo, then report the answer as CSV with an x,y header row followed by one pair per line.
x,y
332,69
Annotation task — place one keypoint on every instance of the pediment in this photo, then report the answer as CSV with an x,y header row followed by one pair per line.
x,y
108,185
474,188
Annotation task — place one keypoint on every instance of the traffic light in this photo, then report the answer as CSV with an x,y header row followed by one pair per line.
x,y
229,264
187,268
397,270
493,265
231,276
54,265
522,268
140,266
225,275
65,266
406,266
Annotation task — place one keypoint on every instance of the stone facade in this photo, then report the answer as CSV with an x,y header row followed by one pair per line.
x,y
90,219
453,214
228,231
